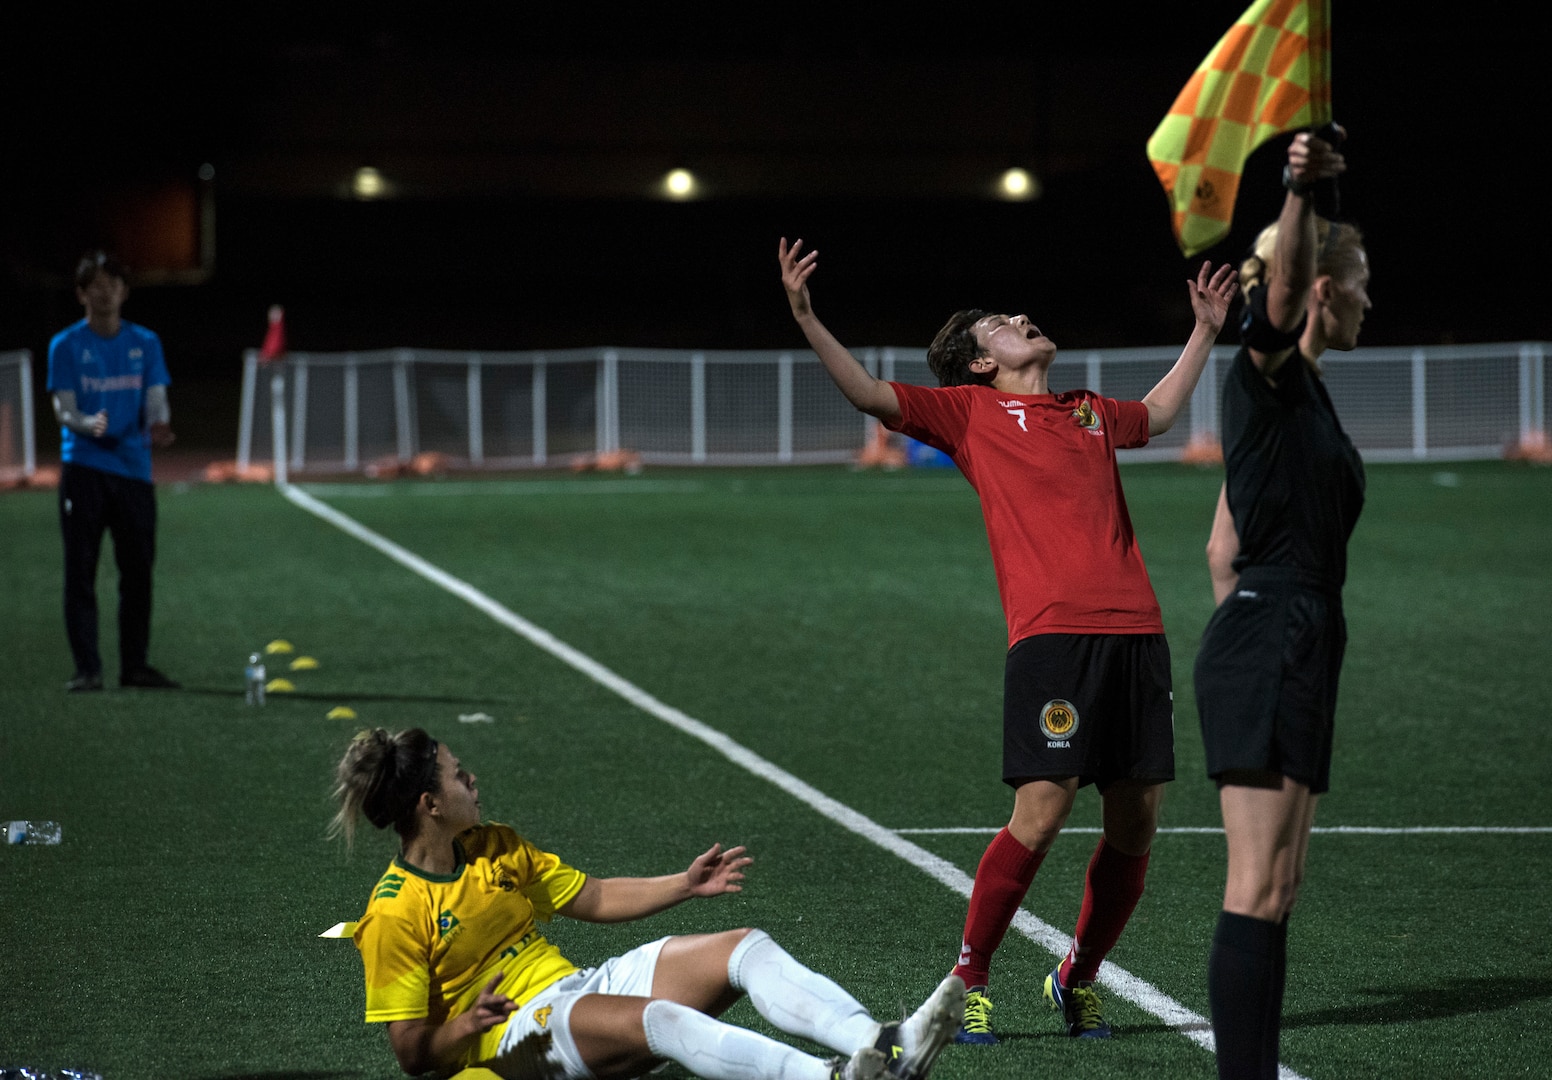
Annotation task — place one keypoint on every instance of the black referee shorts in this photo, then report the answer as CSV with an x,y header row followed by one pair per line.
x,y
1266,677
1095,706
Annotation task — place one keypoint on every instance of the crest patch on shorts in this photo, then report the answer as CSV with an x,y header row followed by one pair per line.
x,y
1059,719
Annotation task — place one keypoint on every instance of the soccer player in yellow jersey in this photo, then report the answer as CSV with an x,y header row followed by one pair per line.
x,y
457,969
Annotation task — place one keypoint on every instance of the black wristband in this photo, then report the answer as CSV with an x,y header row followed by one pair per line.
x,y
1301,189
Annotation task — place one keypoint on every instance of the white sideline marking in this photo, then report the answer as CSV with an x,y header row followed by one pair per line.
x,y
1144,995
1365,830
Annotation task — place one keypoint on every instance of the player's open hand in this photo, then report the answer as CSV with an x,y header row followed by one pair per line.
x,y
716,871
1210,296
795,273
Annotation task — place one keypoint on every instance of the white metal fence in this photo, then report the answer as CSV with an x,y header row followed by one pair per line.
x,y
342,412
18,433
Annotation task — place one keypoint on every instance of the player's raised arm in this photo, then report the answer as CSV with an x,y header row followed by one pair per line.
x,y
872,396
1210,298
622,899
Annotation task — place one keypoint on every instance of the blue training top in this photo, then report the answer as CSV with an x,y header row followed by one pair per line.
x,y
113,374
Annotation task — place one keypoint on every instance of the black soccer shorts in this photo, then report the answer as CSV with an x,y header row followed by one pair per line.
x,y
1266,678
1095,706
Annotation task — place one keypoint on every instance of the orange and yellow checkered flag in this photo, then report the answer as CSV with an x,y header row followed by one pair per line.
x,y
1269,74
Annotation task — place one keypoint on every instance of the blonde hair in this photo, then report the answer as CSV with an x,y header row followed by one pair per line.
x,y
381,778
1341,253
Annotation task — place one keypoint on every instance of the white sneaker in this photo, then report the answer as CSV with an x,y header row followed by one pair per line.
x,y
866,1064
913,1046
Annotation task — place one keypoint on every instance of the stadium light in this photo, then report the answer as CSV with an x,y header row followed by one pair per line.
x,y
368,183
680,184
1018,184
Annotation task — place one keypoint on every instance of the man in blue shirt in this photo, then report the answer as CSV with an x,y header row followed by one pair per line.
x,y
109,383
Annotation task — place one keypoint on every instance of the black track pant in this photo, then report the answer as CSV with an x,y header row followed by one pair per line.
x,y
90,503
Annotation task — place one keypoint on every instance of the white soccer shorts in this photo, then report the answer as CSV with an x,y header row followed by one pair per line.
x,y
538,1035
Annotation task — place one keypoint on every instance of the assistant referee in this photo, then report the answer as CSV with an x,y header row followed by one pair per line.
x,y
1266,674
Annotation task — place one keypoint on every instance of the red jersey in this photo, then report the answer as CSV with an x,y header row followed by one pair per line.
x,y
1044,466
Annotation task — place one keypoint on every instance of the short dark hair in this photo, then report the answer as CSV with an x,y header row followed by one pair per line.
x,y
951,351
98,261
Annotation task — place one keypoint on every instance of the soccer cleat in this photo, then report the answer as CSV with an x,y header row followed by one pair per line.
x,y
977,1024
914,1044
1079,1006
83,683
148,678
866,1064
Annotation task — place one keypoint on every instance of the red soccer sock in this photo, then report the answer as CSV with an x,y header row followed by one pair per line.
x,y
1001,881
1111,890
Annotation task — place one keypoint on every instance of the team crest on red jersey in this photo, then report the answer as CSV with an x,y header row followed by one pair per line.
x,y
1087,419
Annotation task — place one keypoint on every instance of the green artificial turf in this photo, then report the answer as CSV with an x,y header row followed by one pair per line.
x,y
843,626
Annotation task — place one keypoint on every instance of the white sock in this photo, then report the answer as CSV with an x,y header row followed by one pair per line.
x,y
709,1048
797,1000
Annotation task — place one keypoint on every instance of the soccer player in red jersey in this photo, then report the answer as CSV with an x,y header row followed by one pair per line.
x,y
1087,692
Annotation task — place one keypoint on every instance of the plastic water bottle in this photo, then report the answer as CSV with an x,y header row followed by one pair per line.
x,y
32,832
254,674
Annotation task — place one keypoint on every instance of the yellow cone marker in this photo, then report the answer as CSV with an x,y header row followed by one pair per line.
x,y
341,712
280,686
339,930
279,645
304,663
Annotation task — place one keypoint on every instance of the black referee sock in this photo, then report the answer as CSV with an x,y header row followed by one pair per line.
x,y
1272,1028
1242,985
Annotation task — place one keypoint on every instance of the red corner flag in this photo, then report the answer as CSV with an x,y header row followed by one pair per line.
x,y
275,337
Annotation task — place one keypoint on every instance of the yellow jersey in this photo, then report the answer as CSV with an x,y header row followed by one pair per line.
x,y
430,942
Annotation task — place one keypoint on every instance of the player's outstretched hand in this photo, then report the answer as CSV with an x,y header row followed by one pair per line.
x,y
1210,296
795,273
716,871
491,1007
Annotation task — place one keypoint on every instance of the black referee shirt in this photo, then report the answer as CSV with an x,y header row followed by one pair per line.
x,y
1295,481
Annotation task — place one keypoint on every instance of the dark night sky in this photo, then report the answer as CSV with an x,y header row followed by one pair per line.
x,y
516,137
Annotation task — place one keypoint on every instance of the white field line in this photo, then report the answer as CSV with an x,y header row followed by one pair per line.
x,y
1144,995
1331,830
